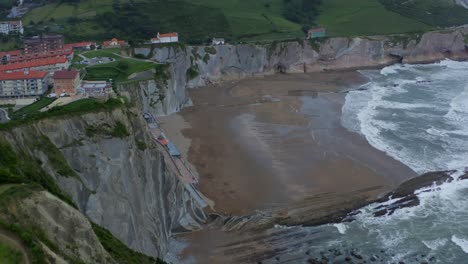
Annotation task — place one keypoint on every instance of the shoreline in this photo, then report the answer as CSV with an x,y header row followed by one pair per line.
x,y
260,127
253,118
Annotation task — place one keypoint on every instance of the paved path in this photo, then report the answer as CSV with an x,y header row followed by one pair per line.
x,y
177,165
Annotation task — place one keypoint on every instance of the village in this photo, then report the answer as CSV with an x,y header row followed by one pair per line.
x,y
47,73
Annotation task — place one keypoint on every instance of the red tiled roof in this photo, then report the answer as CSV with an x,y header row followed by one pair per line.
x,y
65,74
11,53
317,29
119,42
168,35
18,56
79,44
32,63
22,75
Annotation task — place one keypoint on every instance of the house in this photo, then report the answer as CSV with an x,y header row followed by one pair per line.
x,y
23,83
10,27
13,56
43,44
316,33
81,45
66,82
95,88
165,38
50,65
114,43
217,41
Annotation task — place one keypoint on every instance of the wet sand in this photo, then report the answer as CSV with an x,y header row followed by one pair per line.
x,y
277,140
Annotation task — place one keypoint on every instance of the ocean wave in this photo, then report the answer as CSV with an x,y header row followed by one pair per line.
x,y
435,244
432,113
461,242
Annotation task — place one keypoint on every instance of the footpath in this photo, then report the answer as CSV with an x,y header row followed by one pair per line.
x,y
174,160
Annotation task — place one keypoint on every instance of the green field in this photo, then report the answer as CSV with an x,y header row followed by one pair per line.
x,y
110,53
196,20
115,71
32,108
364,17
9,255
442,13
199,20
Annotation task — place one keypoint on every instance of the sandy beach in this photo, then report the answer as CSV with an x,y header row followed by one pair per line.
x,y
276,140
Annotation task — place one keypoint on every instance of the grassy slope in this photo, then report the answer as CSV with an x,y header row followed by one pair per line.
x,y
432,12
364,17
255,18
9,255
195,19
242,19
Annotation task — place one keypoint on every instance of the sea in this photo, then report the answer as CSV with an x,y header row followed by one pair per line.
x,y
418,114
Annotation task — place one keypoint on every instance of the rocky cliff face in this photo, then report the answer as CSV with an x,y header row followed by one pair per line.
x,y
120,180
192,67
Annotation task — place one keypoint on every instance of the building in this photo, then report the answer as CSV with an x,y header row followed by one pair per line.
x,y
13,56
217,41
43,44
114,43
316,33
95,88
81,45
24,83
46,64
165,38
66,82
11,27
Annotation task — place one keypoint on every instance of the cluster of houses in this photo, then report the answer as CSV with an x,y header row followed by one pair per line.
x,y
45,60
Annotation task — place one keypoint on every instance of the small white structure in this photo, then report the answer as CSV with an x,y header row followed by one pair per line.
x,y
9,27
95,88
166,38
217,41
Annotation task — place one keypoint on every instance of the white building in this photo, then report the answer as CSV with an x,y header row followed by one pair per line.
x,y
9,27
166,38
95,88
24,83
217,41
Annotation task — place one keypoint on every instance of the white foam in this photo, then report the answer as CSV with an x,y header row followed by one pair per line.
x,y
461,242
435,244
390,70
341,228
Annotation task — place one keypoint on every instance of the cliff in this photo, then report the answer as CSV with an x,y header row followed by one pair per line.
x,y
106,162
191,67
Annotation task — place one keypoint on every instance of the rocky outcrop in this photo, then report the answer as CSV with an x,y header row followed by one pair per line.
x,y
120,179
192,67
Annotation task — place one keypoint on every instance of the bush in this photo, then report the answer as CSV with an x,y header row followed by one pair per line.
x,y
192,73
119,251
119,130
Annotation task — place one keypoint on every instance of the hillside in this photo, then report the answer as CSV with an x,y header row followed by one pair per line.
x,y
239,20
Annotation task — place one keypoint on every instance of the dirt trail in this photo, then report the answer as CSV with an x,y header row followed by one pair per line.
x,y
12,241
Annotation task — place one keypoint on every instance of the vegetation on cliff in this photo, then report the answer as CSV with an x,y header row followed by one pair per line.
x,y
75,108
121,253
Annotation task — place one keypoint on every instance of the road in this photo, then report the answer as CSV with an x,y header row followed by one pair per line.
x,y
3,116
